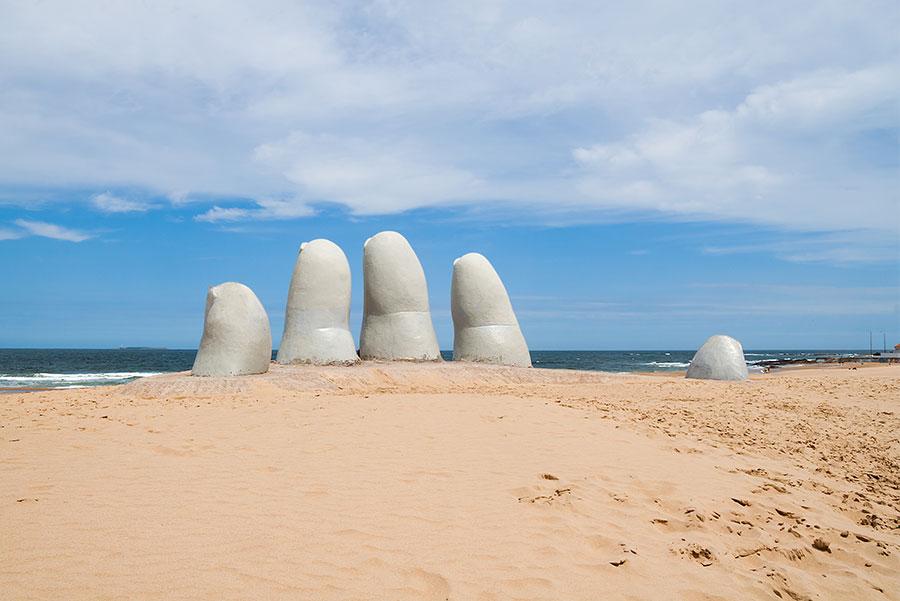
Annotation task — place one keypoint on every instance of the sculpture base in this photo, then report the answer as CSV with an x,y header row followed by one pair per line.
x,y
407,336
322,346
500,345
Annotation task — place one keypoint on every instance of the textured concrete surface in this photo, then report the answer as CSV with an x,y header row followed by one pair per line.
x,y
396,318
720,358
316,321
484,325
236,335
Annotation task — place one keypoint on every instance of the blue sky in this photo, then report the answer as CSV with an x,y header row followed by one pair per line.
x,y
640,176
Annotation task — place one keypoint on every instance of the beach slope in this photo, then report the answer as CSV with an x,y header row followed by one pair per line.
x,y
454,481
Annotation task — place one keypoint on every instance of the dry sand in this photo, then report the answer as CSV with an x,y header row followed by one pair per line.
x,y
450,481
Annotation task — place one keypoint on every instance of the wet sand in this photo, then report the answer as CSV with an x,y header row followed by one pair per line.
x,y
450,481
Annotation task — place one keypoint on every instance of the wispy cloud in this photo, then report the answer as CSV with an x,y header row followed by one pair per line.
x,y
110,203
738,301
264,210
50,230
222,214
8,234
844,248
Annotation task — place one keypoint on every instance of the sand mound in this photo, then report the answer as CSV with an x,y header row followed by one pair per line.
x,y
366,378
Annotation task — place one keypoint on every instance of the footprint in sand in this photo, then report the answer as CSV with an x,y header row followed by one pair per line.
x,y
698,553
547,499
428,585
527,494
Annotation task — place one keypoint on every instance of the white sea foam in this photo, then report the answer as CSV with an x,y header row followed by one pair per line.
x,y
667,364
51,380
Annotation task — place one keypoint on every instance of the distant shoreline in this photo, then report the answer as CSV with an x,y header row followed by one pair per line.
x,y
51,369
788,366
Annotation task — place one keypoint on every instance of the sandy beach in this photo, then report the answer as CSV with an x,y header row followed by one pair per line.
x,y
453,481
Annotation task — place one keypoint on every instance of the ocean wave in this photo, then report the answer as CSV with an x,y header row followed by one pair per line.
x,y
666,364
53,380
779,361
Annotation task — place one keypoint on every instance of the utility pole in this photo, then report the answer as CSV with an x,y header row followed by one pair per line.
x,y
870,342
884,341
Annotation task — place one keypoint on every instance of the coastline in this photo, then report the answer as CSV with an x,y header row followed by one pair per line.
x,y
29,369
70,380
435,481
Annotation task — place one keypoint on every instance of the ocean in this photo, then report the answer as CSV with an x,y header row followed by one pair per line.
x,y
78,368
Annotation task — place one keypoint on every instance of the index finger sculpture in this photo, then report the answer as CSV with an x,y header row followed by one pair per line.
x,y
316,321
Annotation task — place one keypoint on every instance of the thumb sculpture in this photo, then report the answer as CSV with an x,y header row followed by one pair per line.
x,y
484,324
396,319
720,358
316,323
236,336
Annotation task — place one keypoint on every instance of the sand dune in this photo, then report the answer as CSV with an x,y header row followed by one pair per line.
x,y
452,481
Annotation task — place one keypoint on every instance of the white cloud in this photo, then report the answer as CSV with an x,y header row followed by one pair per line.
x,y
765,113
8,234
109,203
265,209
781,156
368,177
50,230
833,98
218,214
